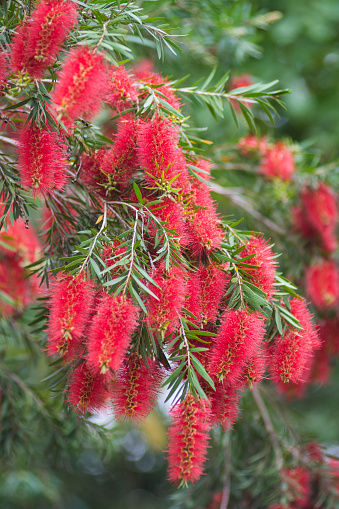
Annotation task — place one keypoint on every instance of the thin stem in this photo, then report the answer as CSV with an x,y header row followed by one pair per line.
x,y
182,330
269,427
227,486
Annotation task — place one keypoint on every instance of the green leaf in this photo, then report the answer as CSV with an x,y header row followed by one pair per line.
x,y
201,370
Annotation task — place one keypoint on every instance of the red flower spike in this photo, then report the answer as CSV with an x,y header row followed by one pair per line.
x,y
51,23
171,215
159,153
110,333
213,281
121,90
18,59
264,276
187,440
319,214
205,166
163,314
70,307
252,144
15,284
42,160
254,370
86,392
82,84
278,162
329,335
240,335
290,356
322,284
204,230
136,388
299,483
224,405
124,156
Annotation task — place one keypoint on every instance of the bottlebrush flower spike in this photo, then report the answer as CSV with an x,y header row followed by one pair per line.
x,y
320,212
18,60
224,405
322,284
278,162
86,392
95,172
187,440
254,370
124,156
42,159
49,26
113,254
82,84
264,276
290,356
213,281
204,165
171,215
110,333
121,89
159,153
14,282
70,307
240,335
136,388
163,314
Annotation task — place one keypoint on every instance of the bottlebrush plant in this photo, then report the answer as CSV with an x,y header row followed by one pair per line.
x,y
145,288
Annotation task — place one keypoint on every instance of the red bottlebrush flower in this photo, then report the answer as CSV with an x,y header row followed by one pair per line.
x,y
136,388
163,314
3,69
213,281
121,90
264,276
18,60
50,25
224,405
171,215
159,153
252,144
290,355
203,228
240,335
86,392
301,224
142,68
278,162
14,283
70,307
110,333
82,84
187,440
22,242
95,172
124,157
254,370
299,483
318,214
245,80
322,284
315,452
216,501
42,159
